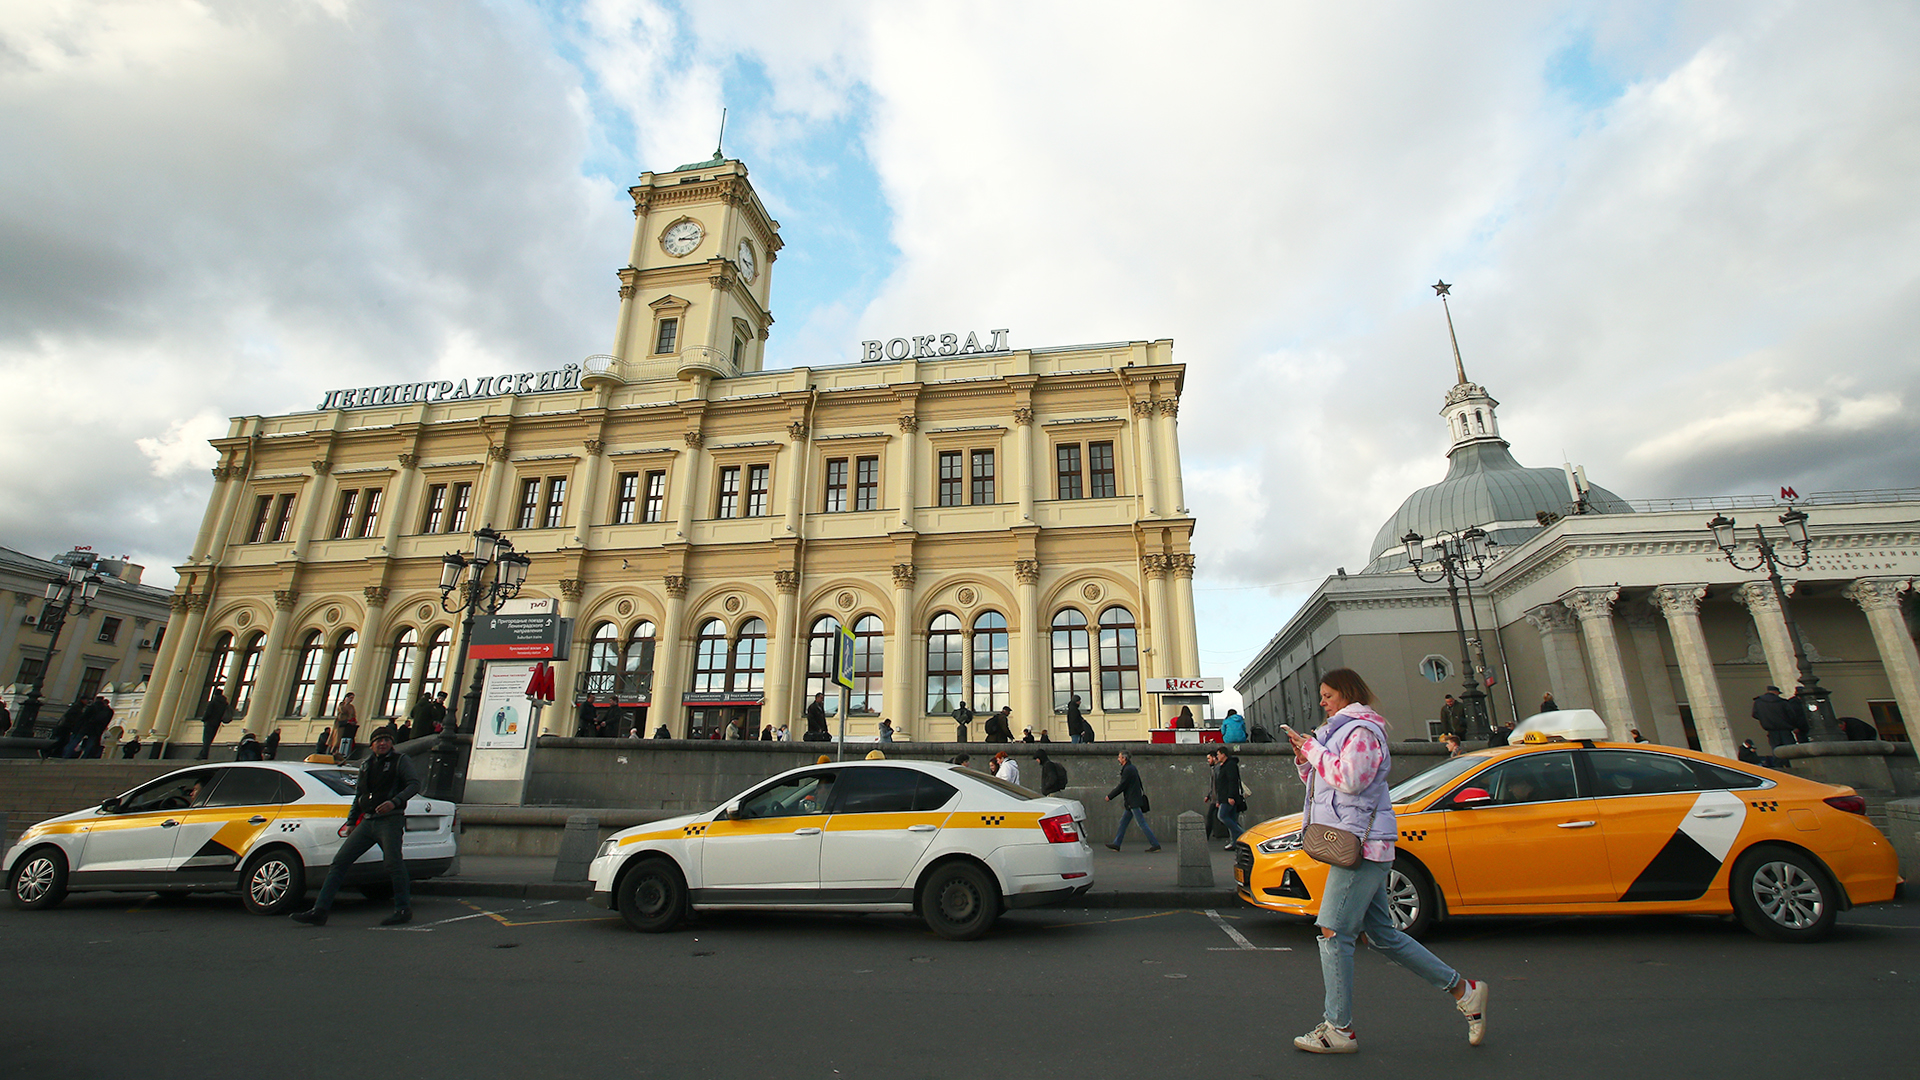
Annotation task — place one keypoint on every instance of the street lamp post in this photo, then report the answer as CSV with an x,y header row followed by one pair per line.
x,y
1815,698
1463,560
478,591
81,582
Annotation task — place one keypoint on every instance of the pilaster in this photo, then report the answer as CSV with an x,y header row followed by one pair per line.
x,y
1771,624
1681,606
1593,606
1879,598
1566,669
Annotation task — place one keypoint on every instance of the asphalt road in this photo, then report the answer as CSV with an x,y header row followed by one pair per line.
x,y
131,988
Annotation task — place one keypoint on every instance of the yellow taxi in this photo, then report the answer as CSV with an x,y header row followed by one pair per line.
x,y
1561,823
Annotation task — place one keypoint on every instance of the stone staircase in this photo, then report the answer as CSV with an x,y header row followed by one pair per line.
x,y
33,790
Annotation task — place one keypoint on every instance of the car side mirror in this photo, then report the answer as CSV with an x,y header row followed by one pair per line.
x,y
1472,796
734,813
112,804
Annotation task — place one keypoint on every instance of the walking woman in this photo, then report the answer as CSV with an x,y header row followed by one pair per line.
x,y
1345,764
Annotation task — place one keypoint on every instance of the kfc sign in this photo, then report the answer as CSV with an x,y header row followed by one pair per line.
x,y
1213,685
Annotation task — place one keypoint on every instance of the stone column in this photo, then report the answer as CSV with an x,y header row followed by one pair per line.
x,y
1681,605
1566,671
318,494
1143,431
900,665
903,482
486,514
162,680
1880,599
1594,608
668,652
685,475
1184,626
400,508
367,680
792,476
175,701
1771,623
781,650
1023,464
276,668
231,479
1643,630
1158,639
226,487
555,719
589,500
1031,671
1169,430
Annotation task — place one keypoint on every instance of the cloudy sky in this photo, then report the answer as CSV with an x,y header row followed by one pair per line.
x,y
1684,238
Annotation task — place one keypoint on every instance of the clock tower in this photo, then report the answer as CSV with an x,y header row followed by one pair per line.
x,y
693,295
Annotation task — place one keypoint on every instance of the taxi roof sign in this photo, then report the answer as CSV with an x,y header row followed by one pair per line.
x,y
1569,724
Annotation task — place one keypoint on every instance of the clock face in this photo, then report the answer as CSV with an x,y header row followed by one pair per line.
x,y
745,259
682,237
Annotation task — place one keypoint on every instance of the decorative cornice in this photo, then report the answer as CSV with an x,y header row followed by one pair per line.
x,y
1023,416
572,588
903,575
1877,594
1678,601
1027,571
376,595
1550,619
694,439
286,599
909,423
676,585
787,581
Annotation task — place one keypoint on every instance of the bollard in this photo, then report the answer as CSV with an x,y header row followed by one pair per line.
x,y
1196,864
577,846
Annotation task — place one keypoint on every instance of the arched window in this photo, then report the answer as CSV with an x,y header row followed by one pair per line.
x,y
943,664
748,674
434,678
990,655
1072,663
820,646
710,658
637,669
1119,661
308,662
603,658
339,671
242,693
406,653
217,661
869,666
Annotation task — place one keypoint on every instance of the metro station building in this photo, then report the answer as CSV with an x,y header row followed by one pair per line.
x,y
995,524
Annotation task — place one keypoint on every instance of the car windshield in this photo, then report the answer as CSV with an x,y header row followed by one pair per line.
x,y
1010,788
340,781
1438,776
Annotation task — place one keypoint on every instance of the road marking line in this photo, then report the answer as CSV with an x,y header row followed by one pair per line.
x,y
1240,942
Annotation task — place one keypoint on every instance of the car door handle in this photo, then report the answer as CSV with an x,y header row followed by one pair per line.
x,y
922,828
1713,813
1578,824
256,820
169,823
811,830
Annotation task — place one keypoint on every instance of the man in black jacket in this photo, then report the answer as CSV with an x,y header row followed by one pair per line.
x,y
379,816
1133,800
1077,727
1053,775
211,720
817,721
1778,717
1225,795
1000,725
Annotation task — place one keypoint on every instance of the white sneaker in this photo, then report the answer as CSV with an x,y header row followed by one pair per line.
x,y
1327,1039
1473,1006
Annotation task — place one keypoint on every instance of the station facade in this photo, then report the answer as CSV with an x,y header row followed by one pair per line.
x,y
1004,526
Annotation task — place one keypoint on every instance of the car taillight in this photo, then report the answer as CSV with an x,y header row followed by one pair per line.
x,y
1852,804
1060,829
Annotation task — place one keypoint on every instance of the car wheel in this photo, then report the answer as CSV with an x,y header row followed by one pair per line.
x,y
274,882
1410,897
1782,894
39,879
653,896
959,901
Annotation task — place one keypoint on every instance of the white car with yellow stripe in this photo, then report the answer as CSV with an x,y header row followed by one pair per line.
x,y
954,845
267,829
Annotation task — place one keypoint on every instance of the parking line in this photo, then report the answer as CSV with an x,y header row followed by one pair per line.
x,y
1240,942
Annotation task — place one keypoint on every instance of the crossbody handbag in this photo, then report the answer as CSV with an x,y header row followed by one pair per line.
x,y
1331,844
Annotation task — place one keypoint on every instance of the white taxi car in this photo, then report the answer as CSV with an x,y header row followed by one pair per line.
x,y
268,829
947,842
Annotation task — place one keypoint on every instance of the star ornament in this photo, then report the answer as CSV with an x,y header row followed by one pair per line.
x,y
1441,288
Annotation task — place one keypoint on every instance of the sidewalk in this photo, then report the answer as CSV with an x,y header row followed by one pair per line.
x,y
1129,878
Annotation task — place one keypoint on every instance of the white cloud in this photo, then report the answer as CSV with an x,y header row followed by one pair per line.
x,y
184,446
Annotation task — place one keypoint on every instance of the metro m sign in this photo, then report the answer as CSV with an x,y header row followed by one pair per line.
x,y
1212,685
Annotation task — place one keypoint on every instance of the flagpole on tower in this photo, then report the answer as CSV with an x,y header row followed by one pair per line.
x,y
1441,289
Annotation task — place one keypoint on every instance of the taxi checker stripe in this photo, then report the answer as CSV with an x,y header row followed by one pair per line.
x,y
1694,853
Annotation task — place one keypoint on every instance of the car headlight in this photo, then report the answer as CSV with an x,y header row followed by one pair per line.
x,y
607,847
1285,842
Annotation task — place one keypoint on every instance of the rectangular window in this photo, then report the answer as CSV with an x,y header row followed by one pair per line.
x,y
30,669
369,513
90,682
757,478
556,502
669,333
462,501
283,519
866,494
950,478
343,524
1067,470
656,496
436,509
529,503
728,504
109,629
739,351
836,485
262,517
982,477
626,497
1100,471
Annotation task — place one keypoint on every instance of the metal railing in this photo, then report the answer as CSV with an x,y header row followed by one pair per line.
x,y
1762,502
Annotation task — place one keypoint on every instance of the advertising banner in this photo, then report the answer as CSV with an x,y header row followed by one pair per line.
x,y
506,720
